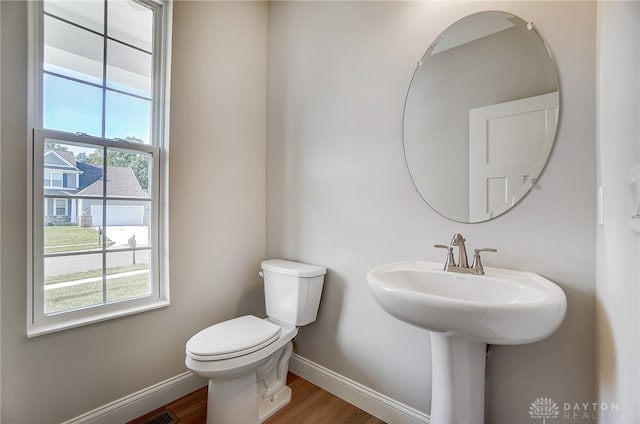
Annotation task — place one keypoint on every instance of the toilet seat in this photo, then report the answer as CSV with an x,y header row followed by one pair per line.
x,y
232,338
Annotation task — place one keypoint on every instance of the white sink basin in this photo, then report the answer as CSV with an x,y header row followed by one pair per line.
x,y
500,307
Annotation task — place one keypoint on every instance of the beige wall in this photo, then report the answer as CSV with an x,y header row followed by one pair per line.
x,y
339,195
618,249
217,223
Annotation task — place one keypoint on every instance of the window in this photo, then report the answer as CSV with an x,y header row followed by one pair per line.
x,y
61,206
52,179
100,73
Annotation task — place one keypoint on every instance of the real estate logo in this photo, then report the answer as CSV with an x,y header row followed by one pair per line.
x,y
544,408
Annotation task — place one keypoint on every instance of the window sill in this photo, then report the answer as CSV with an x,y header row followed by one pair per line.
x,y
35,330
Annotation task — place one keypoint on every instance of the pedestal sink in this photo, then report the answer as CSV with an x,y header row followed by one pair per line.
x,y
466,312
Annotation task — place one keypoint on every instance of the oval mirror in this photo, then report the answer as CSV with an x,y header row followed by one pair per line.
x,y
480,116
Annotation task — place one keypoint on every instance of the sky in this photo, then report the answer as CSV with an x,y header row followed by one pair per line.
x,y
75,107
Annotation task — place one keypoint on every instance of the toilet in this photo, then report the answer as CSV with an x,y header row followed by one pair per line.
x,y
246,359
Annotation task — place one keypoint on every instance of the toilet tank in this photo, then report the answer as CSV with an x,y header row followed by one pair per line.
x,y
292,290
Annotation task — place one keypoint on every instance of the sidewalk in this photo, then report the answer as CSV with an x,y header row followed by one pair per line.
x,y
92,279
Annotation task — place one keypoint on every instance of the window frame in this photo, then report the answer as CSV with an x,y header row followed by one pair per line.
x,y
39,323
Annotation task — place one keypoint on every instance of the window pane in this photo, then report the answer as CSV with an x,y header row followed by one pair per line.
x,y
128,224
128,275
128,173
128,69
128,118
57,212
72,282
76,168
91,184
70,238
130,22
72,51
87,13
72,106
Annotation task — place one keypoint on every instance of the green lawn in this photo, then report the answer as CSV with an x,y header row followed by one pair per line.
x,y
71,238
89,294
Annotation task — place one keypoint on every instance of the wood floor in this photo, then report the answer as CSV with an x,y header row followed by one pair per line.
x,y
309,405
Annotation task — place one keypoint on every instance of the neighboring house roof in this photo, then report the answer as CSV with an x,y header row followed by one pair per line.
x,y
90,174
59,159
59,192
66,155
121,181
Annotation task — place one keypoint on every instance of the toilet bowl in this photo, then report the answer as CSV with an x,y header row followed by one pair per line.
x,y
246,359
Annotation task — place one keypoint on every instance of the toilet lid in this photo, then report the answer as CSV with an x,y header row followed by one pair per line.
x,y
233,338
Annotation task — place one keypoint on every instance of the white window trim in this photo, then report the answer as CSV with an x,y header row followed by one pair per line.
x,y
37,323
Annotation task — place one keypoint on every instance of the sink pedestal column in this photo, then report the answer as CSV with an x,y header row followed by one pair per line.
x,y
458,372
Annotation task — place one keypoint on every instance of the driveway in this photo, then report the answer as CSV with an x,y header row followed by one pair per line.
x,y
121,235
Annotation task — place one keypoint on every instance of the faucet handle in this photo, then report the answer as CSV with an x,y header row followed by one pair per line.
x,y
477,263
450,260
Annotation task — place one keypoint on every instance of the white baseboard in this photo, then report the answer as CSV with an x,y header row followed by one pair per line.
x,y
139,403
376,404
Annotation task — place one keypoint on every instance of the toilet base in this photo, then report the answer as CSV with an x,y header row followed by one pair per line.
x,y
248,395
228,401
268,407
229,405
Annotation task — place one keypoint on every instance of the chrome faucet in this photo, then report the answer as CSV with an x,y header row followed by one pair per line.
x,y
463,265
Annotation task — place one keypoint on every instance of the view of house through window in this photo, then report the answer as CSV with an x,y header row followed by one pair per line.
x,y
96,241
97,154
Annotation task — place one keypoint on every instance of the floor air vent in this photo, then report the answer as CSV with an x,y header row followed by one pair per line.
x,y
165,417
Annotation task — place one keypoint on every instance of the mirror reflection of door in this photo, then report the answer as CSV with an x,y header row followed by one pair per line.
x,y
497,66
506,153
